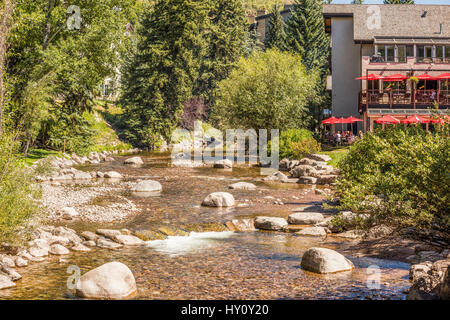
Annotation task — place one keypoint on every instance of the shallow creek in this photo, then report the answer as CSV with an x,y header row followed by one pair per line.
x,y
218,264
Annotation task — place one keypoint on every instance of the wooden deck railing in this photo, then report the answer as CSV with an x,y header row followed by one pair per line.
x,y
403,97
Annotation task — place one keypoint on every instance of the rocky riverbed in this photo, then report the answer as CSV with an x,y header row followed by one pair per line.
x,y
213,232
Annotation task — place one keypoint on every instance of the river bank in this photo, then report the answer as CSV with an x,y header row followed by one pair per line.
x,y
226,262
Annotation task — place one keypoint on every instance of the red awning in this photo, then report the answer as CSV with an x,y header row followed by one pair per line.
x,y
444,76
415,119
425,77
438,121
396,77
370,77
332,120
387,120
353,119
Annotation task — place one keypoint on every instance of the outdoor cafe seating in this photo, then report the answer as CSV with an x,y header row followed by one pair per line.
x,y
399,89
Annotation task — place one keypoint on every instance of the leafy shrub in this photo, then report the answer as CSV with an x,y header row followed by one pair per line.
x,y
268,90
17,192
296,143
399,177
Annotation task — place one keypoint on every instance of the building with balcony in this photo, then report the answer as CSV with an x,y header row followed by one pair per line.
x,y
401,53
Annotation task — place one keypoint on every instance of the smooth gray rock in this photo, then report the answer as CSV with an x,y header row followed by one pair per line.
x,y
319,157
323,260
134,160
223,164
242,186
58,249
108,233
219,199
112,175
147,186
305,218
128,240
5,282
270,223
313,231
111,281
107,244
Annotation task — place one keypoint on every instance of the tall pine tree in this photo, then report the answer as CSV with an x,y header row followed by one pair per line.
x,y
226,39
398,1
185,47
164,69
305,35
276,36
305,32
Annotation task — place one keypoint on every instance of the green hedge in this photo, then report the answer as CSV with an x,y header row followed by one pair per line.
x,y
399,176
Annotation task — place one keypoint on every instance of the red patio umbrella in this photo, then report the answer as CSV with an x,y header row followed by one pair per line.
x,y
395,77
352,120
444,76
370,77
438,121
331,120
387,120
425,77
415,119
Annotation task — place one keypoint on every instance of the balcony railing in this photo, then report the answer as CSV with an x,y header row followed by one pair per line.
x,y
382,59
432,60
402,98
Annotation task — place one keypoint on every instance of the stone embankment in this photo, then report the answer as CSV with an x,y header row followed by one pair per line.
x,y
312,169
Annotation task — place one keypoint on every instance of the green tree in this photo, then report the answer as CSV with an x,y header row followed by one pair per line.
x,y
164,70
398,1
226,39
305,32
69,64
276,37
268,90
399,176
357,1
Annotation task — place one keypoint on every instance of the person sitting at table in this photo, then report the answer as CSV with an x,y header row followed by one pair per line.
x,y
338,138
433,95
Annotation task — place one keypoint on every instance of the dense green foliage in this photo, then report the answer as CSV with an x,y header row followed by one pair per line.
x,y
268,90
399,176
55,72
296,143
185,47
275,37
305,31
17,193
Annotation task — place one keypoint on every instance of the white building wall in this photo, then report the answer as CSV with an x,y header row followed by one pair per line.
x,y
346,66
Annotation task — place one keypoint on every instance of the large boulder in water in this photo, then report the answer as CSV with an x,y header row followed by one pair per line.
x,y
113,280
323,260
242,186
223,164
219,199
134,160
305,218
147,186
271,223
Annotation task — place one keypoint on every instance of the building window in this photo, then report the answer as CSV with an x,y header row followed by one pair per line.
x,y
410,51
401,54
425,54
387,53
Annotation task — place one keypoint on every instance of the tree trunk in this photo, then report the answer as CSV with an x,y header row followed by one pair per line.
x,y
5,26
48,26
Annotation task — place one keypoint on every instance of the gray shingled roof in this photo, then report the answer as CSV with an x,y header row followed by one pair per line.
x,y
397,21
